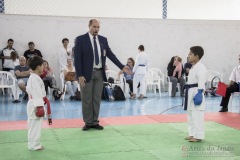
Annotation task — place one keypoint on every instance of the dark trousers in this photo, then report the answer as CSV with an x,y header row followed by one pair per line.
x,y
230,90
130,83
7,69
91,98
47,84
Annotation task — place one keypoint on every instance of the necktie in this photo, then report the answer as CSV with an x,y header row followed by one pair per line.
x,y
95,51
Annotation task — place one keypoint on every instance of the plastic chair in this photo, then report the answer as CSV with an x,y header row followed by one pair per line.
x,y
230,103
8,81
161,75
210,75
153,80
63,85
170,86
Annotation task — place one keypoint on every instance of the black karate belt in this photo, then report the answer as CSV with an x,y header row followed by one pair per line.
x,y
141,65
186,88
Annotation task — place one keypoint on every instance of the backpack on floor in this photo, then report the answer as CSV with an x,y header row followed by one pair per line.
x,y
108,93
57,94
118,93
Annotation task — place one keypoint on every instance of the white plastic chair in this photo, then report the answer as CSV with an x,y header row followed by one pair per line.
x,y
170,86
63,85
153,81
210,75
8,81
161,75
230,103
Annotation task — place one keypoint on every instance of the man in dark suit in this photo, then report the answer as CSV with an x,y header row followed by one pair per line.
x,y
90,54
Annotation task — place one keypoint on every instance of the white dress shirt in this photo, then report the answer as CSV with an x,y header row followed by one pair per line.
x,y
235,75
99,51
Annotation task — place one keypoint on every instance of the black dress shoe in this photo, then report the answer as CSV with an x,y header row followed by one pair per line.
x,y
86,127
97,126
223,110
16,101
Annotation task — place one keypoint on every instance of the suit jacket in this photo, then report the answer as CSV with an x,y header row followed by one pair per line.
x,y
84,56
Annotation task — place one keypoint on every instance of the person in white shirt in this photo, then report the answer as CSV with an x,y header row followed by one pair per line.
x,y
194,95
6,55
12,62
36,91
64,53
233,86
140,70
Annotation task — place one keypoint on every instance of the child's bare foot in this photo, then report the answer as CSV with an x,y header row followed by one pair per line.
x,y
39,149
195,140
133,96
188,138
141,97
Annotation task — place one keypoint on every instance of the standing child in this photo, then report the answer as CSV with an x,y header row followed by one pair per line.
x,y
194,95
140,69
36,92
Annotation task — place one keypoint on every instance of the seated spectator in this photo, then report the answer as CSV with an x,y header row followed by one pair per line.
x,y
187,67
32,51
72,86
6,55
129,77
232,87
22,73
12,62
48,76
175,73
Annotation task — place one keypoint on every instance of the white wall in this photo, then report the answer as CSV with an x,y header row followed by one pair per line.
x,y
161,38
176,9
204,9
87,8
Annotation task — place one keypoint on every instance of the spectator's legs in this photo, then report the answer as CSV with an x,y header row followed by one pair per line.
x,y
174,81
69,88
230,90
182,83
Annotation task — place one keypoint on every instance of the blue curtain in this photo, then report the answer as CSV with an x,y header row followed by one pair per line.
x,y
1,6
164,9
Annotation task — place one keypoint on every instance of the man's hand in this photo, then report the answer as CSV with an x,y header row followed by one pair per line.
x,y
82,81
126,70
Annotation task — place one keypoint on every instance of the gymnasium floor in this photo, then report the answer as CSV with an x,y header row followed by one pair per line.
x,y
150,129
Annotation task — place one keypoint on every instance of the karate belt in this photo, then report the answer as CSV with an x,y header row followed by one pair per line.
x,y
46,101
141,65
186,88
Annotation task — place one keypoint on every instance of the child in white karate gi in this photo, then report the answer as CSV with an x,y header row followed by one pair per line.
x,y
36,91
194,95
140,70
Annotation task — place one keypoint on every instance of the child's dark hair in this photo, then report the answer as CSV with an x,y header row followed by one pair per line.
x,y
30,43
65,39
35,61
197,51
141,48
